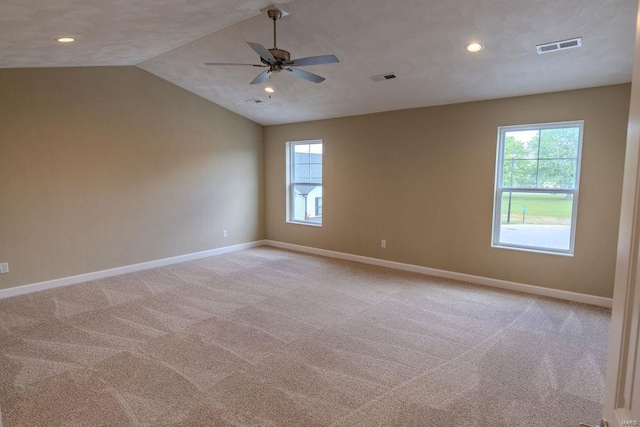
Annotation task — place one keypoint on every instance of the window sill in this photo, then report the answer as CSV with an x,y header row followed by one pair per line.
x,y
310,224
534,250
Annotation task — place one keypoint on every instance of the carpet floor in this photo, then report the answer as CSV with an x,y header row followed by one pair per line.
x,y
276,338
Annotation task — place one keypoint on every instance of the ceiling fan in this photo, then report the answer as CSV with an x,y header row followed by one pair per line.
x,y
277,60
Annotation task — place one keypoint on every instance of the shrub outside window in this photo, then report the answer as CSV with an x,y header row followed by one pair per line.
x,y
536,191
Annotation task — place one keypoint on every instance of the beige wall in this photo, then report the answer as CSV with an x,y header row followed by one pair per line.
x,y
111,166
105,167
423,179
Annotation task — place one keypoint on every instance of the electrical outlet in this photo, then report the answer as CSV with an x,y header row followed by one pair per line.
x,y
4,267
225,234
383,244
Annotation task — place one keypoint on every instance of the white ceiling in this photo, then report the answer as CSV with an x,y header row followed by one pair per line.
x,y
421,41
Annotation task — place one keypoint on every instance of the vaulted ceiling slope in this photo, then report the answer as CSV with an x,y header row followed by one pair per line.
x,y
421,41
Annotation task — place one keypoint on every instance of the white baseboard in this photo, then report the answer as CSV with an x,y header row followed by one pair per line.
x,y
496,283
72,280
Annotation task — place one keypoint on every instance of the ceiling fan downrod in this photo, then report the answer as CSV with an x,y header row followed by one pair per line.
x,y
274,14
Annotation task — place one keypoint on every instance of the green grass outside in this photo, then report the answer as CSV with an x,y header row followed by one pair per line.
x,y
548,209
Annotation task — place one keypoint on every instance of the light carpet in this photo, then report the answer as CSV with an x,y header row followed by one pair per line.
x,y
275,338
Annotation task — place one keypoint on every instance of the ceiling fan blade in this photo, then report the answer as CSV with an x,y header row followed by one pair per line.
x,y
234,63
261,77
313,60
263,52
305,75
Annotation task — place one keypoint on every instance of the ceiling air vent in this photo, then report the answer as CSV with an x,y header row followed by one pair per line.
x,y
383,77
560,45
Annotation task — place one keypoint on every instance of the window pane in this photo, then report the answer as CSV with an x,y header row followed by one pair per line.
x,y
519,173
301,148
315,148
538,220
521,144
302,157
559,143
304,201
301,172
307,163
557,173
315,173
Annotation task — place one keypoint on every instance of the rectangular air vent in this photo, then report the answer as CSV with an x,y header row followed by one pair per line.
x,y
383,77
559,45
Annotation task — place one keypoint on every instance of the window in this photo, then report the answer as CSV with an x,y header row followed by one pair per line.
x,y
304,196
537,177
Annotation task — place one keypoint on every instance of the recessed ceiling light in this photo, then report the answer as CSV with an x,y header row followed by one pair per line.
x,y
65,39
475,47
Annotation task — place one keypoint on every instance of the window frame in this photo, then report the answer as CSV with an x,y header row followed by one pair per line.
x,y
499,188
290,184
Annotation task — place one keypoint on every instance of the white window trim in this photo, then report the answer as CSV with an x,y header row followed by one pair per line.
x,y
289,185
498,189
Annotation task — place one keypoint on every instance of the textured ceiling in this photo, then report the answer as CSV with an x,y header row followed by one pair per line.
x,y
110,32
421,41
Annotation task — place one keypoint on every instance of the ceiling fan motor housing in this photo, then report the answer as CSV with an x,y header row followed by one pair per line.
x,y
282,56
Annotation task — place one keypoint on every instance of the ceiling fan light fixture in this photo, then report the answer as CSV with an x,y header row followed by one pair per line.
x,y
269,87
474,47
65,39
